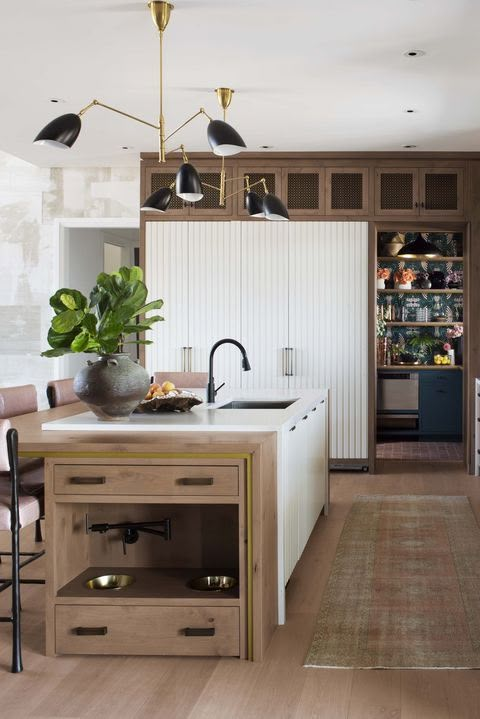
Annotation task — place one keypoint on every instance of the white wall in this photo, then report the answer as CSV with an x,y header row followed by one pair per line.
x,y
31,198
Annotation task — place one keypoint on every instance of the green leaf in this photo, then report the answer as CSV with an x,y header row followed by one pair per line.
x,y
109,346
66,321
57,340
136,274
90,323
154,305
80,343
55,353
139,342
142,326
58,305
68,301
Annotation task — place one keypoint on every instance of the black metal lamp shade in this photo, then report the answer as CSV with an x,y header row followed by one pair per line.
x,y
274,208
419,247
224,139
254,204
187,183
158,200
61,132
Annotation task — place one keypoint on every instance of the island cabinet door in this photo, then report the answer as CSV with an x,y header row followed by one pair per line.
x,y
264,304
214,297
167,276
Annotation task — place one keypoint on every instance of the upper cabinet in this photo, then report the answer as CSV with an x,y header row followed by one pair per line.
x,y
419,191
346,190
337,189
303,190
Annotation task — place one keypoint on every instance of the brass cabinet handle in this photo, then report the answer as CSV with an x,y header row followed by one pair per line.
x,y
199,631
90,631
195,481
88,480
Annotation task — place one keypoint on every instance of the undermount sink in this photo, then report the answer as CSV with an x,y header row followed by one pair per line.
x,y
258,404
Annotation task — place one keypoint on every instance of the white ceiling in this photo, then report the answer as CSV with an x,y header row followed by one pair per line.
x,y
324,75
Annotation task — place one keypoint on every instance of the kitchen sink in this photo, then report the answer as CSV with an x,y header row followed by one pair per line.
x,y
258,404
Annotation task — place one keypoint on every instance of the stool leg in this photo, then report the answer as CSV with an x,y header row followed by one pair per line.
x,y
17,665
38,531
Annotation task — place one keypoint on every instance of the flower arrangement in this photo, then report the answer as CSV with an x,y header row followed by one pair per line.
x,y
454,332
404,276
383,273
454,278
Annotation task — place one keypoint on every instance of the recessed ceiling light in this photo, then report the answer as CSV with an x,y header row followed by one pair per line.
x,y
409,110
266,147
409,147
56,99
414,53
127,147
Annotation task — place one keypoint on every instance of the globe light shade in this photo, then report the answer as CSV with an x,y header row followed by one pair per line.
x,y
274,208
419,247
158,201
61,132
224,139
187,183
254,204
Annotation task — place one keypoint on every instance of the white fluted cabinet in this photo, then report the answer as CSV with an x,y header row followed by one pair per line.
x,y
295,294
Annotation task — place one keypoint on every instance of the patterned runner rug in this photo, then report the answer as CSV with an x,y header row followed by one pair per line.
x,y
404,591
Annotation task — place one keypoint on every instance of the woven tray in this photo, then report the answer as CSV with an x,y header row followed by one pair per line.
x,y
176,403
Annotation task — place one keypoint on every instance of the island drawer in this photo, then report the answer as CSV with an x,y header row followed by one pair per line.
x,y
201,631
181,480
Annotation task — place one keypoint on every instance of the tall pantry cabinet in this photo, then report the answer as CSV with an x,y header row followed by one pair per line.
x,y
295,294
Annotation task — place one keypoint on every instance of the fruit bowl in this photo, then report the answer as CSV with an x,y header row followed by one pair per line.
x,y
175,401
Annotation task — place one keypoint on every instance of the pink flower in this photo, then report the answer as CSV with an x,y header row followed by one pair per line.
x,y
447,346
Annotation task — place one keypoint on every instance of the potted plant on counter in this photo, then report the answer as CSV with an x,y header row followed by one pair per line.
x,y
114,384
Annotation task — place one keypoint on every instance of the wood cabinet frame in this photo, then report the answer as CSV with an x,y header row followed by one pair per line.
x,y
458,171
382,212
286,171
329,171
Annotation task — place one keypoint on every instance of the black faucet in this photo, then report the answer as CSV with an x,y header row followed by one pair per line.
x,y
211,391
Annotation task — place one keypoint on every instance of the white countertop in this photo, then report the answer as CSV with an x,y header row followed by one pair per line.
x,y
205,417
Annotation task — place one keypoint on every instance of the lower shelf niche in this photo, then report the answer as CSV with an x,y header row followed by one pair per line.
x,y
152,583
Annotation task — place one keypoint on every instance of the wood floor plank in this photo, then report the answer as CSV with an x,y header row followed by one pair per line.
x,y
376,694
424,695
325,695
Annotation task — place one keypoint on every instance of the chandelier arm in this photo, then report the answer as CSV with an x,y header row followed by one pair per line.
x,y
200,112
212,187
247,188
119,112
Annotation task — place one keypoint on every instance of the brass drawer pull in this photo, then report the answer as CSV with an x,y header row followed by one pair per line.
x,y
88,480
195,481
90,631
199,632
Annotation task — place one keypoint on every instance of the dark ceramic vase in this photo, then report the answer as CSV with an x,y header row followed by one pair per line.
x,y
457,344
112,386
437,279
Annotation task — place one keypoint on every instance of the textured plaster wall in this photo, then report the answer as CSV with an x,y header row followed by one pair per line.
x,y
31,199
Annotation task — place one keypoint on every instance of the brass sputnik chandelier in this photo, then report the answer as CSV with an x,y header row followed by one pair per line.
x,y
223,139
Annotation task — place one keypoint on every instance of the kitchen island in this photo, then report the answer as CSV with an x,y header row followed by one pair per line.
x,y
221,477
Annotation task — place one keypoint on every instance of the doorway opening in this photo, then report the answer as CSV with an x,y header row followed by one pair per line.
x,y
86,248
420,358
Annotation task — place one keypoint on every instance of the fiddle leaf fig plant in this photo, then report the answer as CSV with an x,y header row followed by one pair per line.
x,y
102,323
